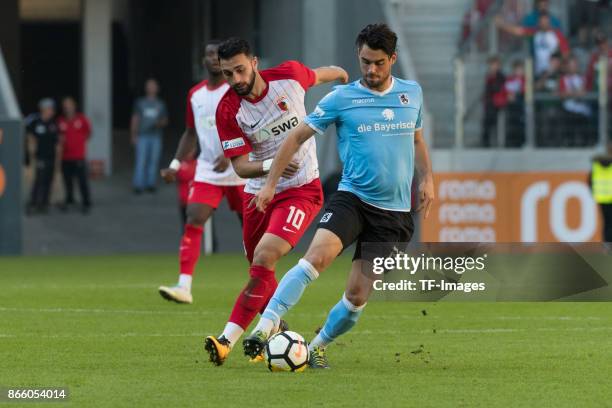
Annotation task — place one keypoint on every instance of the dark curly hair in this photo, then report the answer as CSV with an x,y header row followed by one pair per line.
x,y
378,37
232,47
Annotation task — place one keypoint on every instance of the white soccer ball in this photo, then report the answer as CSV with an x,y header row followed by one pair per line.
x,y
286,351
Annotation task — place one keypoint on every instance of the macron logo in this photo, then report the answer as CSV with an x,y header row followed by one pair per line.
x,y
232,144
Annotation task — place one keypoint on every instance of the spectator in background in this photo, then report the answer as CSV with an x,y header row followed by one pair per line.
x,y
75,130
184,178
592,75
577,112
149,119
600,180
515,91
494,98
42,140
531,20
582,49
472,18
548,110
545,40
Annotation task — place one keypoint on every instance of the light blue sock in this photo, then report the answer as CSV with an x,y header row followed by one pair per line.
x,y
341,319
289,290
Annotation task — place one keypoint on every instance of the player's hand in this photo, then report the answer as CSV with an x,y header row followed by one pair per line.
x,y
169,175
291,169
263,198
426,196
344,76
221,164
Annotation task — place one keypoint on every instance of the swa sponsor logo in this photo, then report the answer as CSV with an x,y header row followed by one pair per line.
x,y
279,127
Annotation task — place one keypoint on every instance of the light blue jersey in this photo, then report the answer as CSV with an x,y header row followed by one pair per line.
x,y
375,139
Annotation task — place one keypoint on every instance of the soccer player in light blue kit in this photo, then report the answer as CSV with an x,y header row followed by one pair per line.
x,y
380,139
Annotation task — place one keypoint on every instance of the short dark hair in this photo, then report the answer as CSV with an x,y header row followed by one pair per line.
x,y
232,47
378,37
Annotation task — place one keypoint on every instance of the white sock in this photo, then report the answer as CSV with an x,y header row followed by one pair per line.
x,y
185,281
232,332
318,341
265,325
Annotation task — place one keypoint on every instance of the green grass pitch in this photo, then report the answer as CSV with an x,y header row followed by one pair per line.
x,y
98,326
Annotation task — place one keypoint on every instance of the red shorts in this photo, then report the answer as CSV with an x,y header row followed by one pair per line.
x,y
287,216
211,194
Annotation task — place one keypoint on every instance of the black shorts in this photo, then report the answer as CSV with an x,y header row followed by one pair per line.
x,y
353,220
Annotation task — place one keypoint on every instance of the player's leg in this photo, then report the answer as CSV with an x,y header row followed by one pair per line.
x,y
235,197
203,199
255,223
324,248
280,228
343,316
384,228
338,228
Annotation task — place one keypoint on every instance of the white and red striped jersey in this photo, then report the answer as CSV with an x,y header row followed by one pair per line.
x,y
258,127
202,104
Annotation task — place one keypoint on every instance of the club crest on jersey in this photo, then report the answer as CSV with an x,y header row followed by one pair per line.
x,y
404,99
282,103
388,114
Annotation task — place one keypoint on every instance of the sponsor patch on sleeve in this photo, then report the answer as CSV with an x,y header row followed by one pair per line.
x,y
232,144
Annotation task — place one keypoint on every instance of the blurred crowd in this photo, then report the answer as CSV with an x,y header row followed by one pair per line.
x,y
56,147
57,142
565,76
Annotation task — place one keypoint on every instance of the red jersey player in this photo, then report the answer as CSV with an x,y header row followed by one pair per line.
x,y
214,178
253,119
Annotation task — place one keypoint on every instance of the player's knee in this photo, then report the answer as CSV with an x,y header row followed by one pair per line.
x,y
266,257
356,297
196,217
318,259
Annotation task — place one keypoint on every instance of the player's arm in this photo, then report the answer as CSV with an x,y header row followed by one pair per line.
x,y
134,123
424,173
283,157
330,74
251,169
186,147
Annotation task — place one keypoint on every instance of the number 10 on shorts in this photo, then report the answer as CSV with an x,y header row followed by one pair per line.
x,y
296,217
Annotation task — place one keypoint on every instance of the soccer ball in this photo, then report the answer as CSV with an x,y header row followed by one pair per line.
x,y
286,351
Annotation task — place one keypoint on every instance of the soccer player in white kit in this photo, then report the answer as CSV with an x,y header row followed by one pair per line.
x,y
253,118
214,179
